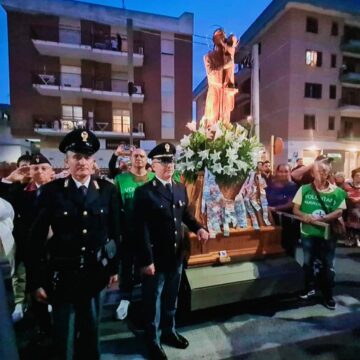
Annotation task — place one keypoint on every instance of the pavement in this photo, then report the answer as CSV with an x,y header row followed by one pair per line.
x,y
280,327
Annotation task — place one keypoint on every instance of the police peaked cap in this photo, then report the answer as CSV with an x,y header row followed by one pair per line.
x,y
80,141
164,152
38,159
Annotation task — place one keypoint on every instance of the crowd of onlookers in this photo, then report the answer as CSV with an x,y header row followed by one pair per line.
x,y
286,190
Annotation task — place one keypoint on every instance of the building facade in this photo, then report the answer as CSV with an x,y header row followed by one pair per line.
x,y
70,67
309,79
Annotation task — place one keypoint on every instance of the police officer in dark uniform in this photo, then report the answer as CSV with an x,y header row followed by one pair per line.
x,y
161,206
74,240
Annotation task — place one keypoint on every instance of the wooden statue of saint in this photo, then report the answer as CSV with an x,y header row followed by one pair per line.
x,y
219,65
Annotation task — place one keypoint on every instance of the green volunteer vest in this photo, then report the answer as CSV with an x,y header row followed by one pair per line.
x,y
127,185
311,205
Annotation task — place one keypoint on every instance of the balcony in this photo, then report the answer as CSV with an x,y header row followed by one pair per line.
x,y
60,127
75,44
348,136
350,78
351,46
69,85
350,107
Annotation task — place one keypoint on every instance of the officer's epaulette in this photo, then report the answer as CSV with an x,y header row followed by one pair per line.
x,y
97,187
66,183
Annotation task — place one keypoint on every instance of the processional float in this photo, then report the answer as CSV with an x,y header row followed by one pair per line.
x,y
227,195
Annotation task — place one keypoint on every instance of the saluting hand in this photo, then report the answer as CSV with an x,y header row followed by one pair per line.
x,y
19,174
202,235
148,270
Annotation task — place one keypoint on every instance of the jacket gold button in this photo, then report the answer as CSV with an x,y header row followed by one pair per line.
x,y
101,210
84,231
83,249
85,213
65,212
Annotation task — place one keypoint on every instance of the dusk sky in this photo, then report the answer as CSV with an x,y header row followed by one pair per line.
x,y
235,16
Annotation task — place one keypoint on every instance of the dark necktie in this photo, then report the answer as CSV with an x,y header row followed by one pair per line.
x,y
168,187
83,191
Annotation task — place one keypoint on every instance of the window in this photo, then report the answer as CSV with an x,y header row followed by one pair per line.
x,y
121,120
331,124
167,125
312,25
333,60
70,115
313,58
332,92
313,90
309,122
334,29
70,76
70,112
167,46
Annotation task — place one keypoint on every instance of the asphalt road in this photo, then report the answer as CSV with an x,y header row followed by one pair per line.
x,y
272,328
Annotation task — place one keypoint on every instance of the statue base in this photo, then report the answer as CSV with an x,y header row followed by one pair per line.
x,y
241,245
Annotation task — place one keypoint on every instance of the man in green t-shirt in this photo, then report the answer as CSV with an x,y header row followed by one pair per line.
x,y
315,245
126,184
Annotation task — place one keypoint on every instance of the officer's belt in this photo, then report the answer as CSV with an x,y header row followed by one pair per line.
x,y
77,262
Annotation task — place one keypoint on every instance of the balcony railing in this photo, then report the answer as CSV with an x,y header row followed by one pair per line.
x,y
349,135
350,77
351,46
84,86
74,80
94,39
353,101
63,125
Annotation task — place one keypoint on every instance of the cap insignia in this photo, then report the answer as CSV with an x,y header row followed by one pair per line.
x,y
37,159
84,136
167,147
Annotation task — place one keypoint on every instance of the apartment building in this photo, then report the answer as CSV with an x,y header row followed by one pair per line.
x,y
309,79
70,67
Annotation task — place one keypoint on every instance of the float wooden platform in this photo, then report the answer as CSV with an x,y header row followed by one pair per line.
x,y
242,244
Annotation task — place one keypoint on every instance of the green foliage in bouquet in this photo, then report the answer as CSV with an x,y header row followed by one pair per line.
x,y
226,151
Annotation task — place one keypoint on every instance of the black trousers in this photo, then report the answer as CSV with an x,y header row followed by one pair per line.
x,y
76,328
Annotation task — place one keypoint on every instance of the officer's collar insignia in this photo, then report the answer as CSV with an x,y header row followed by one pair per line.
x,y
97,187
66,183
167,147
154,183
84,136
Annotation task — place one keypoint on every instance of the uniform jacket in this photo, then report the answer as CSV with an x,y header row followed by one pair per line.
x,y
158,228
68,228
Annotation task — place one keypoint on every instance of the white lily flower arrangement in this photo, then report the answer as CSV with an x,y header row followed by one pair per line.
x,y
226,151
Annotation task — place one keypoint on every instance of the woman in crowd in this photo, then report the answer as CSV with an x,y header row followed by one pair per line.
x,y
280,193
353,213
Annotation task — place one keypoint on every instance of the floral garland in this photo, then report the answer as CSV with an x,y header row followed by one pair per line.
x,y
226,151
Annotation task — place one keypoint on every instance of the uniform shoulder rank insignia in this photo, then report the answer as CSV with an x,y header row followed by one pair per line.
x,y
154,183
84,136
96,184
66,183
167,147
